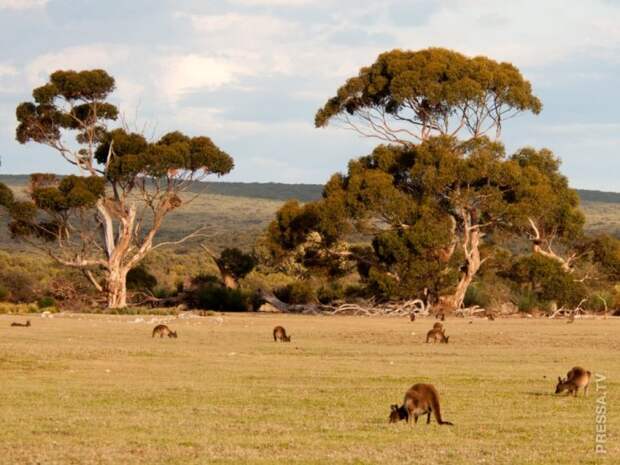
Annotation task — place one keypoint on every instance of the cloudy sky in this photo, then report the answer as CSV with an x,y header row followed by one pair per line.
x,y
251,73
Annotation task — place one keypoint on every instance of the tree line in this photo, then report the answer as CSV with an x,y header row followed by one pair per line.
x,y
435,209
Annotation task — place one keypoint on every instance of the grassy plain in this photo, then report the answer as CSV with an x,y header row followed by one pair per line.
x,y
95,389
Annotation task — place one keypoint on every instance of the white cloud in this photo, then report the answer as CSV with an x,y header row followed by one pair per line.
x,y
274,2
530,32
77,58
186,73
21,4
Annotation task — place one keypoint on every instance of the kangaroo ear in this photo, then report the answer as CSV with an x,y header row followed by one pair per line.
x,y
559,379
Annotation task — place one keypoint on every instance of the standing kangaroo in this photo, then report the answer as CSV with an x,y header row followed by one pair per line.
x,y
279,334
575,378
437,335
420,399
23,325
163,330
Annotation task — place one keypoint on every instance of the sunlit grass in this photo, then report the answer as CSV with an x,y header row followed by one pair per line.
x,y
98,389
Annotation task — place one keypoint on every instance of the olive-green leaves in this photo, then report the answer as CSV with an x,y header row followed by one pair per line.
x,y
406,94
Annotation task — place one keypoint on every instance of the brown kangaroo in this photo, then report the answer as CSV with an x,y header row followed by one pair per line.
x,y
420,399
163,330
279,334
575,378
437,335
412,316
23,325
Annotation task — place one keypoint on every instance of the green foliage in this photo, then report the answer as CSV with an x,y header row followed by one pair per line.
x,y
127,175
84,91
605,252
428,88
543,195
527,301
298,292
476,295
46,302
134,156
6,196
213,296
140,279
330,292
4,292
545,279
18,285
236,262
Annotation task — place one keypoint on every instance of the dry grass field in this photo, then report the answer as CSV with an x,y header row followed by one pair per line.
x,y
87,389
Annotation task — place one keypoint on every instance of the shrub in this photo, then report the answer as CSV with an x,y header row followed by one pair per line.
x,y
236,262
214,296
527,301
4,293
299,292
330,293
140,279
46,302
20,286
476,295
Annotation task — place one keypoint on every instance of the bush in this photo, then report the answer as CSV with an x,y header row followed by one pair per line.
x,y
140,279
46,302
330,293
214,296
299,292
4,293
527,301
20,286
236,262
476,295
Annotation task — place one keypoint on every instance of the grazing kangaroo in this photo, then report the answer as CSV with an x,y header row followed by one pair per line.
x,y
437,335
575,378
420,399
163,330
23,325
279,334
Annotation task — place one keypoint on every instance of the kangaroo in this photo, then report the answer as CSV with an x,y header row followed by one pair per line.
x,y
437,335
438,325
279,334
163,330
575,378
420,399
412,316
23,325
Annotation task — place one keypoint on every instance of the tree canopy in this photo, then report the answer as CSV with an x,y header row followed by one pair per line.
x,y
408,96
103,220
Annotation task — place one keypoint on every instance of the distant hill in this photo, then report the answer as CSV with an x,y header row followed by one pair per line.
x,y
237,213
598,196
301,192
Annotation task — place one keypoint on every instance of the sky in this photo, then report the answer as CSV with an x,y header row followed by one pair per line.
x,y
251,74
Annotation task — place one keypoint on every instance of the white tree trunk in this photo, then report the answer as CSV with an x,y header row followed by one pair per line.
x,y
472,238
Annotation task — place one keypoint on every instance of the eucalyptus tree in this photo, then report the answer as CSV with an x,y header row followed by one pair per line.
x,y
104,219
440,182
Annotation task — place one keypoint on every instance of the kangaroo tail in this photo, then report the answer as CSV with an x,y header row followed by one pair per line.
x,y
437,410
